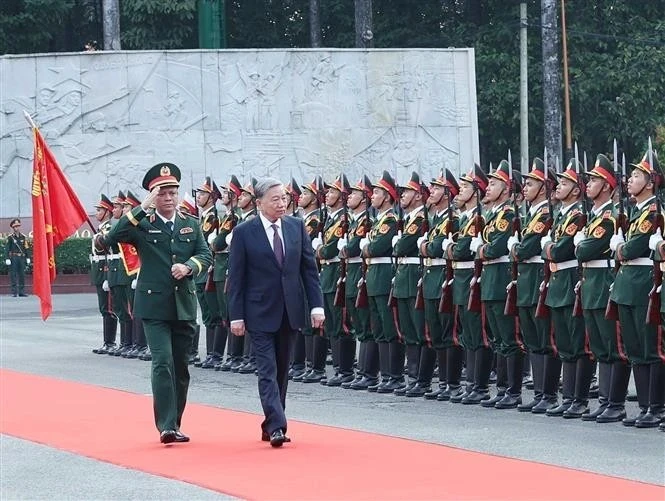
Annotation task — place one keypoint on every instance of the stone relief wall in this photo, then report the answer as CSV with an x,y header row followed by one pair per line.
x,y
110,116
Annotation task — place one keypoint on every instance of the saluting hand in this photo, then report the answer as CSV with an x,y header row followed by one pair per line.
x,y
150,199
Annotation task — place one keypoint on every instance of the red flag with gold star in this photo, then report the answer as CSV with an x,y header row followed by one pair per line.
x,y
57,213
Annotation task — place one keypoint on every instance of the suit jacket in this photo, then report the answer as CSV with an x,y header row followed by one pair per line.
x,y
158,295
259,290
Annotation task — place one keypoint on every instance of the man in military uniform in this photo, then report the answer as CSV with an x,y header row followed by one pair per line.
x,y
436,281
172,251
98,275
642,340
293,193
475,333
492,248
17,257
349,247
303,356
377,250
206,198
526,251
569,330
593,251
230,194
337,327
410,321
119,282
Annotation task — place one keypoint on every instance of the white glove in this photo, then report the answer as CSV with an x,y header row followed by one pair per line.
x,y
212,237
616,240
476,242
363,242
105,286
27,260
579,236
395,239
341,243
134,284
228,238
655,239
512,240
317,242
445,244
545,240
420,240
8,262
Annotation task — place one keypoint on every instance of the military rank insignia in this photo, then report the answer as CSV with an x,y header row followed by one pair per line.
x,y
186,229
598,232
645,226
539,227
502,225
571,229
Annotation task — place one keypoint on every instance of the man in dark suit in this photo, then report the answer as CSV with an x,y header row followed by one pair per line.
x,y
271,272
172,251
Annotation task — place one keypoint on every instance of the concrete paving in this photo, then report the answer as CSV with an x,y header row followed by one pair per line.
x,y
61,348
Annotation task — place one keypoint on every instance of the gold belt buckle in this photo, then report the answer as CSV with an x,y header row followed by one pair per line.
x,y
428,261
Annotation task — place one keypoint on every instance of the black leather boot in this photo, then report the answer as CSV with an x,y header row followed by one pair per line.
x,y
513,396
454,361
109,326
641,373
129,338
346,347
550,385
604,382
384,366
585,368
538,374
615,410
569,371
320,352
125,338
396,381
482,369
425,372
501,381
441,358
360,366
656,412
469,383
194,350
412,363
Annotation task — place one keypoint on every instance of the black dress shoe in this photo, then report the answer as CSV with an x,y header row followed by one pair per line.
x,y
630,421
364,383
475,397
277,438
147,356
455,399
301,375
545,404
509,402
314,376
661,426
22,295
265,437
357,379
528,406
339,380
419,390
494,400
560,409
456,392
168,436
611,414
403,390
576,410
248,368
181,437
651,419
392,385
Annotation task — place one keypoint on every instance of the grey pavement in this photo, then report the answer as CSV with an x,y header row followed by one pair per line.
x,y
61,348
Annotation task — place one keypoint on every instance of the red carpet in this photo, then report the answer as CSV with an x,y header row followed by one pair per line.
x,y
226,454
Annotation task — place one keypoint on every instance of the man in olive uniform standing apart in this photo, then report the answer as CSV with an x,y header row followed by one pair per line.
x,y
172,251
98,275
474,331
206,198
526,251
643,341
569,330
377,249
17,257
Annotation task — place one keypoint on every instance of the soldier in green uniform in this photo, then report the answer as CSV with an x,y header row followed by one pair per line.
x,y
337,327
445,341
98,272
293,193
303,359
526,251
569,330
643,341
657,244
17,256
492,248
475,334
410,321
593,251
206,198
377,250
349,247
119,282
172,251
229,197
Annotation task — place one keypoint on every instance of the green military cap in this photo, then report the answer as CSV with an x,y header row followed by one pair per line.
x,y
15,222
603,169
387,183
572,172
210,187
537,171
447,180
646,167
119,199
104,203
364,184
162,174
413,183
341,184
234,185
477,177
131,199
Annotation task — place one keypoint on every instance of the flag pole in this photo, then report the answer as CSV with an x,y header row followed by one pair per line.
x,y
34,127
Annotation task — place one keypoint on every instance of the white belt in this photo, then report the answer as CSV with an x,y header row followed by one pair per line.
x,y
640,261
435,261
502,259
225,251
330,261
534,259
111,257
379,260
409,260
564,265
353,260
599,263
97,259
463,265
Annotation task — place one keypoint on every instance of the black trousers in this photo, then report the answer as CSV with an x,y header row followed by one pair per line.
x,y
273,354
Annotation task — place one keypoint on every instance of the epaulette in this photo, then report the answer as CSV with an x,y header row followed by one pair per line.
x,y
544,209
182,216
607,214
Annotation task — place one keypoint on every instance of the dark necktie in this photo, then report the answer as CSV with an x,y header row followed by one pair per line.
x,y
169,225
277,245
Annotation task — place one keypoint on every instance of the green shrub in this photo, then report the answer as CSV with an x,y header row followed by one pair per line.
x,y
71,256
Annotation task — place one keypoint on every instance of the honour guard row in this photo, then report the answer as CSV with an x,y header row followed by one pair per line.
x,y
490,274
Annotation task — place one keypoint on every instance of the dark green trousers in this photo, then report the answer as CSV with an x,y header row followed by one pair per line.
x,y
411,322
507,335
439,326
475,331
569,335
535,331
120,301
170,344
381,316
639,338
210,311
604,336
336,325
222,303
103,301
359,318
